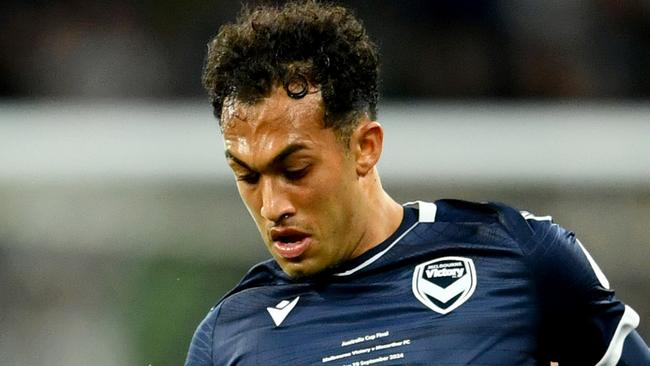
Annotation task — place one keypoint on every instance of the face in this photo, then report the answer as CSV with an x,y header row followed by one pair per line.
x,y
297,180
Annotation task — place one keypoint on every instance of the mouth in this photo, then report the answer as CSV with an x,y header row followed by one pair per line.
x,y
290,243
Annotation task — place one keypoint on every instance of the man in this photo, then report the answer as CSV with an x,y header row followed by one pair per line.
x,y
356,278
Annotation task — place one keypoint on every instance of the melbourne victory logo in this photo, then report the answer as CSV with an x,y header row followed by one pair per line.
x,y
444,284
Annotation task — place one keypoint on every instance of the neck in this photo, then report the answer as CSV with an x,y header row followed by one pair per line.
x,y
383,214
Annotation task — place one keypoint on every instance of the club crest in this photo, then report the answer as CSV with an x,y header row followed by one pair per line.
x,y
445,283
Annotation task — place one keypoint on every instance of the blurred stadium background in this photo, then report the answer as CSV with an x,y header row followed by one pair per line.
x,y
119,222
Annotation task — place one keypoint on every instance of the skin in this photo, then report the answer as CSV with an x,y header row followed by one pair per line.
x,y
294,175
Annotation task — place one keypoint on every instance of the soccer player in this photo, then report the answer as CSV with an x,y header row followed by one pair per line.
x,y
356,278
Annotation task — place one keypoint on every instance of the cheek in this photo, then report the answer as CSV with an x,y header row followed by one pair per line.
x,y
251,202
332,201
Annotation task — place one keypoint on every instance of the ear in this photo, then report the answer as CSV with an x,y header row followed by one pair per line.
x,y
367,143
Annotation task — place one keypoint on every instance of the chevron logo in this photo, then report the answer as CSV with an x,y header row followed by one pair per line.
x,y
444,284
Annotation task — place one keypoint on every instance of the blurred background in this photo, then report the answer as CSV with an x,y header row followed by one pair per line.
x,y
120,225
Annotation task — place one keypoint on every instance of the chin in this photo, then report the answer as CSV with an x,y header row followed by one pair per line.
x,y
298,269
295,273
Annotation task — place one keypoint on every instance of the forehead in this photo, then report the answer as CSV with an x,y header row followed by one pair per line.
x,y
272,123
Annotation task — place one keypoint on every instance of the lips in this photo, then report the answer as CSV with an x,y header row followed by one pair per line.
x,y
290,243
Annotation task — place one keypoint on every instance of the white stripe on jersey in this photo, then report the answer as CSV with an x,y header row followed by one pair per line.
x,y
427,213
594,266
529,216
426,210
629,321
376,256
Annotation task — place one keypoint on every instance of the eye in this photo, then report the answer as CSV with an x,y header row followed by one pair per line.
x,y
296,174
250,178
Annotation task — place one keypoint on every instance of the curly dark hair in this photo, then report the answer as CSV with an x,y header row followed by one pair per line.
x,y
298,45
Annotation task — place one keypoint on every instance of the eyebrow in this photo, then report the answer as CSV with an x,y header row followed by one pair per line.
x,y
282,155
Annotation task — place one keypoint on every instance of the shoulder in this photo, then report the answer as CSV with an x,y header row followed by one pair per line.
x,y
459,211
553,254
536,239
200,351
453,211
263,275
521,226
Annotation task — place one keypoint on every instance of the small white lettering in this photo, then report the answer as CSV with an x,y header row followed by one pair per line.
x,y
445,272
352,341
361,351
374,361
336,357
368,337
389,345
368,350
382,334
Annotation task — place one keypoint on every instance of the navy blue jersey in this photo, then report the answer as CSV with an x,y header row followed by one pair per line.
x,y
458,283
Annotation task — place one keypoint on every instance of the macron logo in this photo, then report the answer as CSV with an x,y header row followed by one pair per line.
x,y
281,310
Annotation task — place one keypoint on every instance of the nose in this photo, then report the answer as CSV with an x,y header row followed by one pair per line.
x,y
276,202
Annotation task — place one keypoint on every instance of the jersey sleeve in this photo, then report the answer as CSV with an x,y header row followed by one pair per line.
x,y
583,322
200,352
